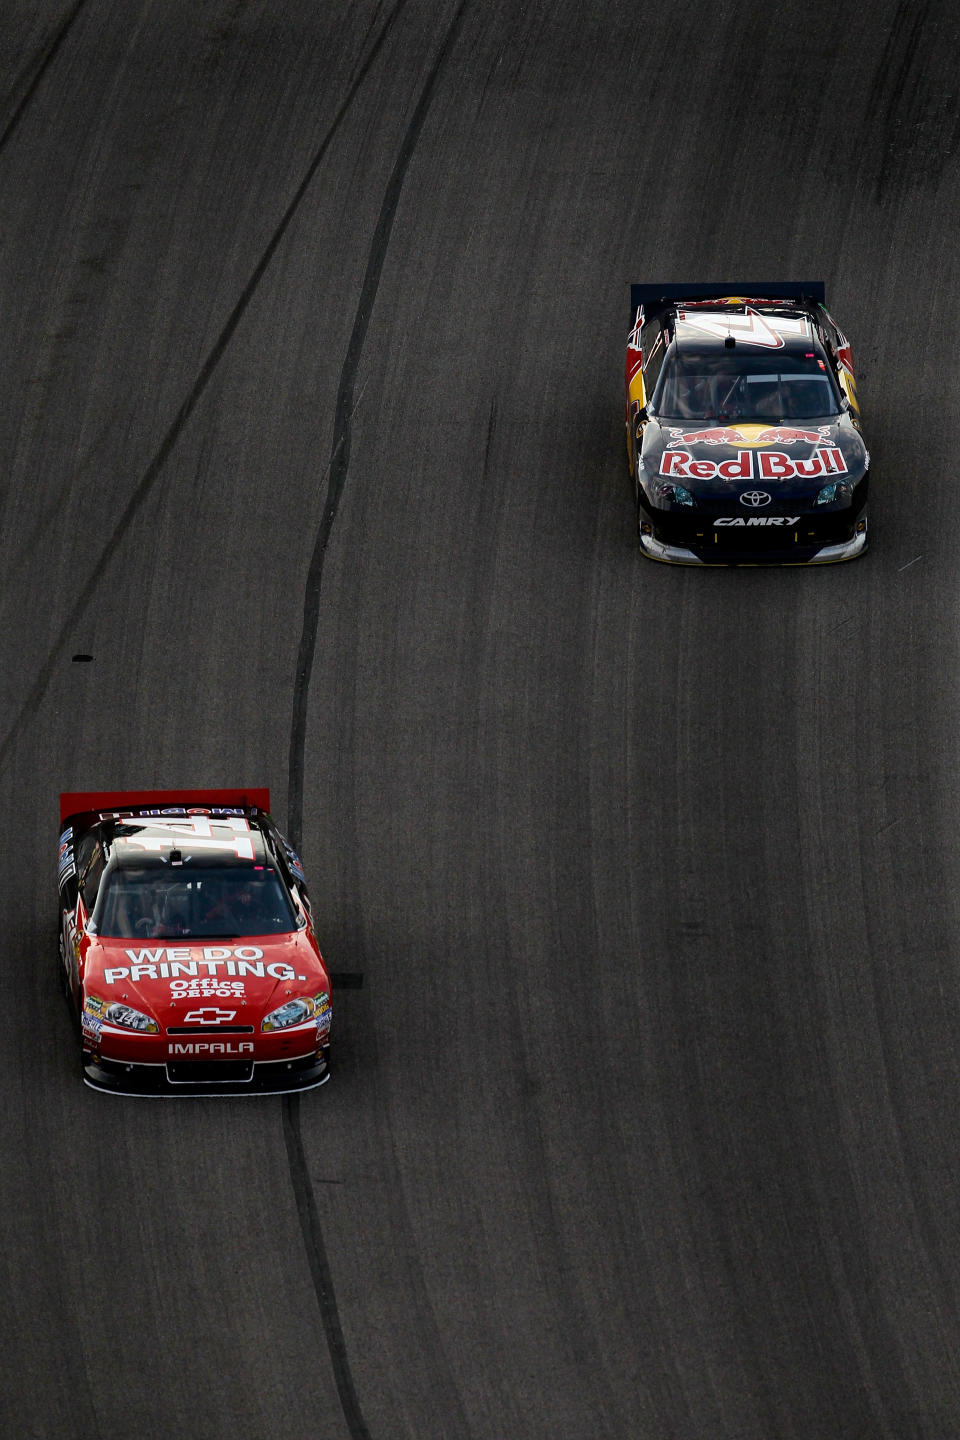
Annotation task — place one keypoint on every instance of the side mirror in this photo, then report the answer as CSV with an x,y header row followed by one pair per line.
x,y
844,403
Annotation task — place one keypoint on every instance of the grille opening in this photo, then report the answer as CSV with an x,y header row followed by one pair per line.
x,y
209,1029
209,1072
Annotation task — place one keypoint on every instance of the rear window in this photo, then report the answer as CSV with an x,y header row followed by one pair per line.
x,y
740,384
223,902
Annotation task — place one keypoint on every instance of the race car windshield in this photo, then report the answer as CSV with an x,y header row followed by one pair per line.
x,y
222,902
739,384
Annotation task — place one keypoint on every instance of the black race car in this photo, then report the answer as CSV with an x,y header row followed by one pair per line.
x,y
743,426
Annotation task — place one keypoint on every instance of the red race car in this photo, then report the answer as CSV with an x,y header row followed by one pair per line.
x,y
187,947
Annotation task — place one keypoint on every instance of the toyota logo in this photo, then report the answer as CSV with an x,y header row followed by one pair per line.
x,y
755,498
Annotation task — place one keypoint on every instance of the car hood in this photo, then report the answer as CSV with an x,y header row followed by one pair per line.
x,y
186,981
722,461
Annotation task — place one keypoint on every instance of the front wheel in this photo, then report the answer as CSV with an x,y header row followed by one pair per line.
x,y
63,980
62,965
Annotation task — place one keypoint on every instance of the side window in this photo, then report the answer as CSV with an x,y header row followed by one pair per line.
x,y
653,352
90,866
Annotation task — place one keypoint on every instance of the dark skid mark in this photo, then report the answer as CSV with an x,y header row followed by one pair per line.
x,y
911,101
81,659
339,463
346,979
149,477
491,426
904,36
342,433
39,66
320,1268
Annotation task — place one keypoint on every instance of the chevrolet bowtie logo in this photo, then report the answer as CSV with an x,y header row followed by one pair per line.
x,y
208,1017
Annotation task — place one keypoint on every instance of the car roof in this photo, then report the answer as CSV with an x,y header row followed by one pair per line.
x,y
139,841
774,325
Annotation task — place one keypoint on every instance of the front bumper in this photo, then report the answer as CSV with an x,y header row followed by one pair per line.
x,y
796,555
207,1077
722,546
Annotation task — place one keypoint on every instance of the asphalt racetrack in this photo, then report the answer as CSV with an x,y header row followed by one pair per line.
x,y
644,1121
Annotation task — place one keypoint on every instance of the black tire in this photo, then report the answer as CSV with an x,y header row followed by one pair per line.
x,y
64,984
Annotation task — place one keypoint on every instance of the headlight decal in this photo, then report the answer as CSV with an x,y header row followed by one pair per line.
x,y
127,1018
292,1012
299,1010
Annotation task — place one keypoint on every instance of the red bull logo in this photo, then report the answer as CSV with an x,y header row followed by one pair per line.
x,y
780,435
721,435
749,435
764,465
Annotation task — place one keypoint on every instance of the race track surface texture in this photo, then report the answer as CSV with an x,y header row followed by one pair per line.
x,y
644,1122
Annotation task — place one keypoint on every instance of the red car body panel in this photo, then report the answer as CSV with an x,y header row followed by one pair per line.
x,y
205,998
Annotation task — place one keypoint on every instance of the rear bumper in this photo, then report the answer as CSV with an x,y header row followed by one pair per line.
x,y
207,1077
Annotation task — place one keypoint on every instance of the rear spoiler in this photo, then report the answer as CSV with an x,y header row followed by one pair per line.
x,y
89,804
652,297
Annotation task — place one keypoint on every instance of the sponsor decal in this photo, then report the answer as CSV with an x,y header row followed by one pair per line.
x,y
757,520
764,465
211,1016
293,859
205,988
747,435
92,1018
145,813
173,962
324,1014
66,865
210,1047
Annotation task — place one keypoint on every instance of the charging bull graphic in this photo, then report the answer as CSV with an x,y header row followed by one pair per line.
x,y
747,435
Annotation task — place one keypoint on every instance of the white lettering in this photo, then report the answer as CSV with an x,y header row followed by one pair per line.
x,y
111,976
248,952
249,967
216,952
787,520
144,957
138,971
280,971
207,1047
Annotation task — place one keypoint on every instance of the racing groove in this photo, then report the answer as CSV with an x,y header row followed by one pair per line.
x,y
643,1122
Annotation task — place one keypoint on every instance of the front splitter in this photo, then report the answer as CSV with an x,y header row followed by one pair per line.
x,y
825,555
272,1077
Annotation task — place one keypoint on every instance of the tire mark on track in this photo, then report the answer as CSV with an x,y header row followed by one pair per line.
x,y
47,57
170,439
342,434
320,1268
338,467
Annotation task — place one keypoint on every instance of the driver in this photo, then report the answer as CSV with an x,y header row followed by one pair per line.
x,y
236,912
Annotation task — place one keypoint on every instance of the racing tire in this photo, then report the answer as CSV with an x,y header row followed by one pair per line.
x,y
64,984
